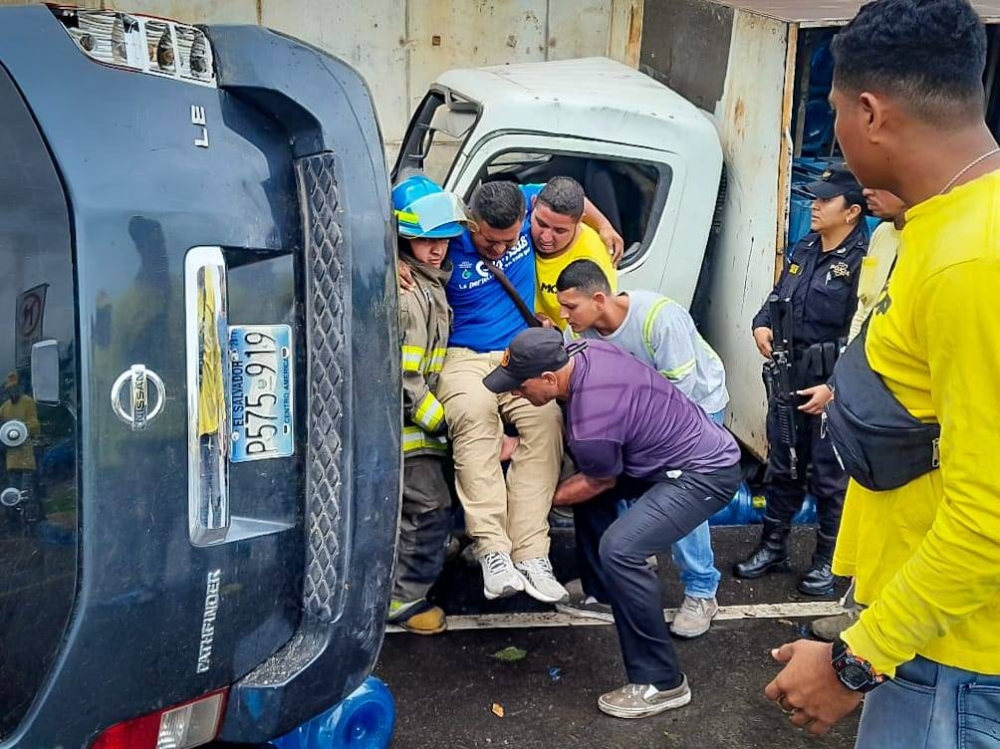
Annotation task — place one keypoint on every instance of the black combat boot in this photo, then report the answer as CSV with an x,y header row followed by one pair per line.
x,y
771,554
818,580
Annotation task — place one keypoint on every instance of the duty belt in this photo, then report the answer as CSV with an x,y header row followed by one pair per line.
x,y
816,362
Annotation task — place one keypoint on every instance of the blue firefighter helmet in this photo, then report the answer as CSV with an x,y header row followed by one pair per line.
x,y
424,210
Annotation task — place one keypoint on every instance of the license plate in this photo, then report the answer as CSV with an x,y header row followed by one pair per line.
x,y
262,384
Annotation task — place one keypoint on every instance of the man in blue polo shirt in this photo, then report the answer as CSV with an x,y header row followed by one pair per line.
x,y
507,517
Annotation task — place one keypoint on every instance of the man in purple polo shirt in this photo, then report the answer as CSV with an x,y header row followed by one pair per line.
x,y
633,435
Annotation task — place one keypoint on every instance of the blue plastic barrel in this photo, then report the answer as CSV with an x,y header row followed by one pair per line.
x,y
747,508
365,720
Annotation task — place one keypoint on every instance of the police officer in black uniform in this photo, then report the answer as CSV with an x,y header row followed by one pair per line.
x,y
820,278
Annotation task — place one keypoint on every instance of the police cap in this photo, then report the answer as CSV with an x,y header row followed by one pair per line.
x,y
838,180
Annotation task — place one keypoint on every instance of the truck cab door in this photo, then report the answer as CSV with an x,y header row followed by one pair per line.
x,y
436,136
639,189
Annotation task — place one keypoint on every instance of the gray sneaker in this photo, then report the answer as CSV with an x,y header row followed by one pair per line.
x,y
643,700
583,606
694,617
500,579
539,581
587,607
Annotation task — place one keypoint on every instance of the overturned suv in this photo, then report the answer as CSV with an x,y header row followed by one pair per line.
x,y
200,422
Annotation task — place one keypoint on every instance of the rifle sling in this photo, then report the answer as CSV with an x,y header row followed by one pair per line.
x,y
499,275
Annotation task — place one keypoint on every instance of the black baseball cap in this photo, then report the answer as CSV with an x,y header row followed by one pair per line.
x,y
838,180
532,352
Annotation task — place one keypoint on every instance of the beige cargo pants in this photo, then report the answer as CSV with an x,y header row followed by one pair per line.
x,y
511,514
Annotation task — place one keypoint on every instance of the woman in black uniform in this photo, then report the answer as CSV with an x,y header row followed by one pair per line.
x,y
820,279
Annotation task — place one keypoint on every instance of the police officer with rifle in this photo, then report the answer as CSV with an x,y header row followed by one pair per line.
x,y
800,330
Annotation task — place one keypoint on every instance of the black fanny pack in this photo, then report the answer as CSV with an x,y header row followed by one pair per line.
x,y
878,442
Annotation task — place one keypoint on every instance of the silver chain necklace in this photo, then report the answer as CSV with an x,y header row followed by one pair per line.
x,y
964,171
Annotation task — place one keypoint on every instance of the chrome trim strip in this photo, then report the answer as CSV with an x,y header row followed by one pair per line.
x,y
208,373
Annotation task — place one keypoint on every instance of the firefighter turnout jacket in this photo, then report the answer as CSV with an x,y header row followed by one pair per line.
x,y
425,319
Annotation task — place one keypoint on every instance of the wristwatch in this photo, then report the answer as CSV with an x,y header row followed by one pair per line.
x,y
854,672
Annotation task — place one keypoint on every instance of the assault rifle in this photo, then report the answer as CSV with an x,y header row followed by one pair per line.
x,y
778,375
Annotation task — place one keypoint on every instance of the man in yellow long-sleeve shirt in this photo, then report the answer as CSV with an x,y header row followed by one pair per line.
x,y
925,556
875,269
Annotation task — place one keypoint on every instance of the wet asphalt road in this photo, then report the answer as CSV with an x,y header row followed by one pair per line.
x,y
446,687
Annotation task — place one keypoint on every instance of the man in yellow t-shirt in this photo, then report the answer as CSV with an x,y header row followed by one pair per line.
x,y
908,96
560,237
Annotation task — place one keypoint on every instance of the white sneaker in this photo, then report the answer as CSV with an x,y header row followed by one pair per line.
x,y
539,582
694,617
500,579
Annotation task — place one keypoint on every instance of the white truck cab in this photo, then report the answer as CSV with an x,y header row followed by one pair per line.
x,y
648,158
737,82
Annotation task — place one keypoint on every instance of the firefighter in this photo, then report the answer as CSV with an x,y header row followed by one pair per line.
x,y
427,218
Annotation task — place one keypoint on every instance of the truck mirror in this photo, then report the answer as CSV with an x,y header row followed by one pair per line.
x,y
452,122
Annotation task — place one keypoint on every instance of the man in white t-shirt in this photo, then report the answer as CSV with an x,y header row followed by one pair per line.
x,y
882,250
660,333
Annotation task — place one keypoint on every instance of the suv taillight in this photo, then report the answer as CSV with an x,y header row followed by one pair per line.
x,y
140,43
179,727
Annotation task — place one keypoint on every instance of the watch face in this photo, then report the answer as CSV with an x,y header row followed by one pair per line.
x,y
854,676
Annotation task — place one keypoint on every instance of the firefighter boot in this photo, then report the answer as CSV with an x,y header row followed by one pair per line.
x,y
818,579
771,554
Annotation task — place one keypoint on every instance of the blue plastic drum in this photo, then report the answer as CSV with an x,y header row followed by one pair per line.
x,y
747,508
365,720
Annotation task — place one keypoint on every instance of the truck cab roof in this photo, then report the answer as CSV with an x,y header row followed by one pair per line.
x,y
827,12
594,98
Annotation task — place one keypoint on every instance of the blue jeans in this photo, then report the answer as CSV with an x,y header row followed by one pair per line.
x,y
693,554
695,561
930,706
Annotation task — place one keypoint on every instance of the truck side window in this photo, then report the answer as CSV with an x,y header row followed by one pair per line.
x,y
631,194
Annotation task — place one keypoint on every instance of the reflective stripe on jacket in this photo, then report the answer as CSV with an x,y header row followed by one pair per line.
x,y
425,320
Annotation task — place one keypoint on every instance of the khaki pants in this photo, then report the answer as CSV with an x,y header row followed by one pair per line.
x,y
500,515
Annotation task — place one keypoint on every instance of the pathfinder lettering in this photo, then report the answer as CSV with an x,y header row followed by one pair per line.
x,y
208,620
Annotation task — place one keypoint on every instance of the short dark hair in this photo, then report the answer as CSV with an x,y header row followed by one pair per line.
x,y
563,195
929,54
858,199
584,275
499,204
